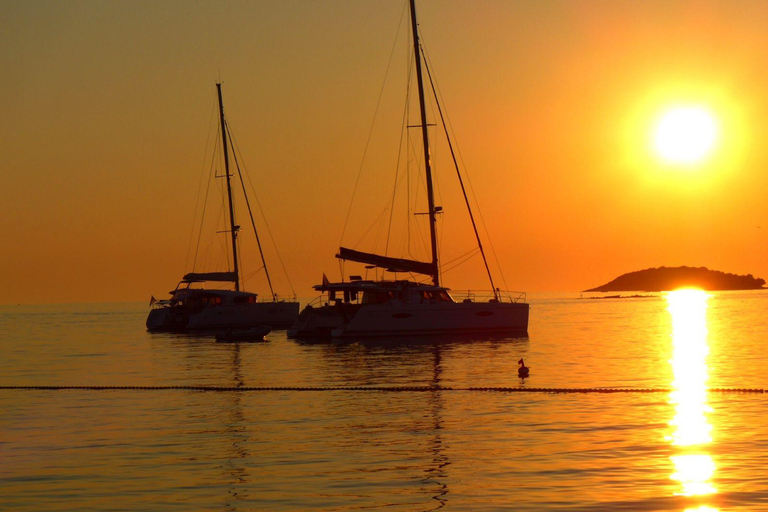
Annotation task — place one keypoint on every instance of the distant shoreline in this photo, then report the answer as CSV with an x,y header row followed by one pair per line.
x,y
671,278
637,296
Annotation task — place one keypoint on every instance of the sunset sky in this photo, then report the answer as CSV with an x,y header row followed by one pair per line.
x,y
554,104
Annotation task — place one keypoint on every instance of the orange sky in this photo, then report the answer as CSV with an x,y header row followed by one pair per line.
x,y
107,107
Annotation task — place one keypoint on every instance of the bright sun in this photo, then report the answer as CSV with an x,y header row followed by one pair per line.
x,y
685,134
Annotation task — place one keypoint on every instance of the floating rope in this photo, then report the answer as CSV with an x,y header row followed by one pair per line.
x,y
392,389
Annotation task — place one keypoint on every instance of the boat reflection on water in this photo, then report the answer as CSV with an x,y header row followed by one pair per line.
x,y
691,432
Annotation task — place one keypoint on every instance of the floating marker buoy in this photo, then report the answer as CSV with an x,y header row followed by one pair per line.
x,y
523,371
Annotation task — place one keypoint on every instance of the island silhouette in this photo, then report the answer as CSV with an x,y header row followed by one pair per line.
x,y
672,278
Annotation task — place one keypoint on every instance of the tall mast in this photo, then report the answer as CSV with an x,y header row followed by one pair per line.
x,y
425,136
232,227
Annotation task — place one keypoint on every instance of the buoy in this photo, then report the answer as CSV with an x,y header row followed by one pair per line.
x,y
523,371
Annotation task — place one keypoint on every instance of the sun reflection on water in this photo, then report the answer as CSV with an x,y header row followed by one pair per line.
x,y
694,467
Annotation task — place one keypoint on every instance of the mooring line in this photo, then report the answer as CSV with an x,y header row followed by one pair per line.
x,y
241,389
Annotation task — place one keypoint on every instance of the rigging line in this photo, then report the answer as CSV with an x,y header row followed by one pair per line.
x,y
467,254
266,224
250,212
408,148
436,89
199,191
378,221
482,221
380,227
214,240
458,173
370,132
460,263
217,224
211,177
403,249
251,274
403,130
418,182
221,240
279,257
224,213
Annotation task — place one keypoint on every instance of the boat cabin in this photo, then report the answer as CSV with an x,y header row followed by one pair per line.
x,y
186,295
382,292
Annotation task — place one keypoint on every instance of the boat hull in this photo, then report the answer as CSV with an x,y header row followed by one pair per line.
x,y
439,318
179,318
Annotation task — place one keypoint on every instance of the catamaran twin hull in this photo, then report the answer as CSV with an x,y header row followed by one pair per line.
x,y
224,316
198,309
346,320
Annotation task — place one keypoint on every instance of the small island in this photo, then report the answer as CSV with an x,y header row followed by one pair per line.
x,y
672,278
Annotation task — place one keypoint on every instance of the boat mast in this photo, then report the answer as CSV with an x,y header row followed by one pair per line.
x,y
233,228
425,136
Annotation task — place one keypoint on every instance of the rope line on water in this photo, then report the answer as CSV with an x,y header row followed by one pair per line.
x,y
371,388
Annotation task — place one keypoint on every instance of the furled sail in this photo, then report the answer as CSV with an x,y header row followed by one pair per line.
x,y
392,264
230,277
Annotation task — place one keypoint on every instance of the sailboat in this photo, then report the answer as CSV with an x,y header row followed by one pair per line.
x,y
193,307
384,308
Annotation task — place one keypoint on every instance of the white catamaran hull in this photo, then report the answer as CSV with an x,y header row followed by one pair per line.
x,y
381,308
179,318
412,320
192,307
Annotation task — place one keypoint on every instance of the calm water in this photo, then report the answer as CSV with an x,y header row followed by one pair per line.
x,y
156,450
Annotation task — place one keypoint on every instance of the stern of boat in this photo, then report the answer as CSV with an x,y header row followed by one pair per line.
x,y
316,322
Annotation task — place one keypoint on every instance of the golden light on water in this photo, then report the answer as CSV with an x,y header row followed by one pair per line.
x,y
694,467
694,473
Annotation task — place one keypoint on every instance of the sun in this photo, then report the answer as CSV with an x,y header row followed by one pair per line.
x,y
685,135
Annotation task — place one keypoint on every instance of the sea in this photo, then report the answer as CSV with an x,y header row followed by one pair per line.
x,y
646,402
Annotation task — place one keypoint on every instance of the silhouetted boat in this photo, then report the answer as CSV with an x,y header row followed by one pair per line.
x,y
407,307
193,307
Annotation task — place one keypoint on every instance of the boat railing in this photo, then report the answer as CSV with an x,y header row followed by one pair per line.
x,y
318,301
279,298
324,300
488,295
162,303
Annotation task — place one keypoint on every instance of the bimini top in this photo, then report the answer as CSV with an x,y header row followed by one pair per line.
x,y
383,286
199,277
181,294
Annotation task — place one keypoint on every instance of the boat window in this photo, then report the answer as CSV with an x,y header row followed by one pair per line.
x,y
250,299
214,301
438,295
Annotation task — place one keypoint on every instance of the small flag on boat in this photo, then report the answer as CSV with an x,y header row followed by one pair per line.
x,y
326,282
152,300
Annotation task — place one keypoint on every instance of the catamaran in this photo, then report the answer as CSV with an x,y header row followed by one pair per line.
x,y
382,308
193,307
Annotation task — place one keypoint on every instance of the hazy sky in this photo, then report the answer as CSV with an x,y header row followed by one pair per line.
x,y
108,106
